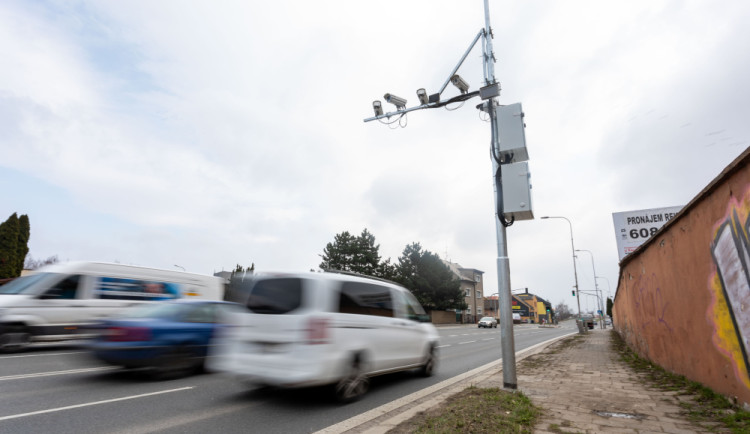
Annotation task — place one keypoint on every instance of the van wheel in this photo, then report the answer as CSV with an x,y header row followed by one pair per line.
x,y
14,338
428,367
354,385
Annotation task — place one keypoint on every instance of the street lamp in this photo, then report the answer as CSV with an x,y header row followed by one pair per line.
x,y
501,157
575,273
609,288
596,286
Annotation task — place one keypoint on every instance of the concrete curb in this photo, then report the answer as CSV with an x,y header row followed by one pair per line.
x,y
387,416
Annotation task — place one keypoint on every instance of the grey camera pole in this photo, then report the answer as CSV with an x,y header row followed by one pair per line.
x,y
507,340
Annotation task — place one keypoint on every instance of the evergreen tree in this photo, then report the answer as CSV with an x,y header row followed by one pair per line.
x,y
22,249
609,307
429,279
9,235
356,254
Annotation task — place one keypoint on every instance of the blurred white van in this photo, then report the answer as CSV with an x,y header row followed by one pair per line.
x,y
310,329
58,301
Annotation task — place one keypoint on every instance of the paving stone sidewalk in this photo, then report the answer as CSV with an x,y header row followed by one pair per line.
x,y
584,388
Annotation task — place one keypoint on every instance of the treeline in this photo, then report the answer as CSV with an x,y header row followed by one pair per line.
x,y
421,271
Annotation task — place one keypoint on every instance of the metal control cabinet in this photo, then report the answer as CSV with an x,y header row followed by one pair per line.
x,y
511,135
517,191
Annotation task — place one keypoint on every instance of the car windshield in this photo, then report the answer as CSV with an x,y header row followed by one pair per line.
x,y
31,284
486,319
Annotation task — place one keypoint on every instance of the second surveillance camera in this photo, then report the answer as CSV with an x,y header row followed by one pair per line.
x,y
460,83
377,106
422,95
400,103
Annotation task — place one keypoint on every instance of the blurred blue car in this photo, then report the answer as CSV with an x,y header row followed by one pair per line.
x,y
170,337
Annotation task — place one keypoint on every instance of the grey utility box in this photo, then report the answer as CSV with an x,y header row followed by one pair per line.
x,y
517,191
511,134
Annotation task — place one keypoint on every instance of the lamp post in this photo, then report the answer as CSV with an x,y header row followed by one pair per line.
x,y
573,247
609,288
596,287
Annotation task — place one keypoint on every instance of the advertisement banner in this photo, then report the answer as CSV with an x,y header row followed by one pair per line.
x,y
633,228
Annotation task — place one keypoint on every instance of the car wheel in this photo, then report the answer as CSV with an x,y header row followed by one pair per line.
x,y
428,367
176,363
354,385
15,338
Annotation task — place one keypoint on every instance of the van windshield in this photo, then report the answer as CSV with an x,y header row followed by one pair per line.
x,y
31,284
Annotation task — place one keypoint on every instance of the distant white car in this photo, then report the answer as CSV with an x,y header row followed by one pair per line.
x,y
487,322
311,329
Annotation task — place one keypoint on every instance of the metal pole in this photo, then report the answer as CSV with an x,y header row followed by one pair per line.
x,y
507,340
596,287
575,272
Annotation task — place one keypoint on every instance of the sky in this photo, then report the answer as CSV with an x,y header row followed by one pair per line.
x,y
206,134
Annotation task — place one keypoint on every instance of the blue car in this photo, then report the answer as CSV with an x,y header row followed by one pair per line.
x,y
171,337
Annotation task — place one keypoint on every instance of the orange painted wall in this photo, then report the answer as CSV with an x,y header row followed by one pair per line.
x,y
671,301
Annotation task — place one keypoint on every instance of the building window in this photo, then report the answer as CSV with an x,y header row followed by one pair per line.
x,y
468,311
479,311
466,293
479,294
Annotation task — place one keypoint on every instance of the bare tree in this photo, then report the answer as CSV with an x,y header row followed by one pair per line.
x,y
562,311
33,264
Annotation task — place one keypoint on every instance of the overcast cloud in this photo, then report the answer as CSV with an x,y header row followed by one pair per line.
x,y
211,133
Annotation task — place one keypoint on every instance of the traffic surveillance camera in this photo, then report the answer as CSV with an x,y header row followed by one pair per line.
x,y
377,106
422,95
400,103
460,83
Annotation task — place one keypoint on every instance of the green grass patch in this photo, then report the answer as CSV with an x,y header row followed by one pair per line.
x,y
479,410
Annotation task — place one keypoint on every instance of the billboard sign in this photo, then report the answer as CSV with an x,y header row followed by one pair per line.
x,y
633,228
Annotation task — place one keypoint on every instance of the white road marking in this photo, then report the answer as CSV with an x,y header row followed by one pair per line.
x,y
47,374
40,355
467,342
88,404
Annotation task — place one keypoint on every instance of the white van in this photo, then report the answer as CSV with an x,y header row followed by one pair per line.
x,y
57,302
310,329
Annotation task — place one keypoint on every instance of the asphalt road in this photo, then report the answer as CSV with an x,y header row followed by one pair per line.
x,y
60,389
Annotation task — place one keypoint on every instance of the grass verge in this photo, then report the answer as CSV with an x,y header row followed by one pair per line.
x,y
477,410
703,406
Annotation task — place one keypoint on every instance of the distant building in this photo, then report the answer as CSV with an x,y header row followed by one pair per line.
x,y
472,285
532,308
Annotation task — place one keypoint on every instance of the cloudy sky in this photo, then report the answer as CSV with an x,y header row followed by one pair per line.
x,y
210,133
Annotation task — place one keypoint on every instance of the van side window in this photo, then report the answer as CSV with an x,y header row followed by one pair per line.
x,y
365,299
65,289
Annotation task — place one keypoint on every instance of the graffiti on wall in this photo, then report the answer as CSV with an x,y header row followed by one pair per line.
x,y
730,285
